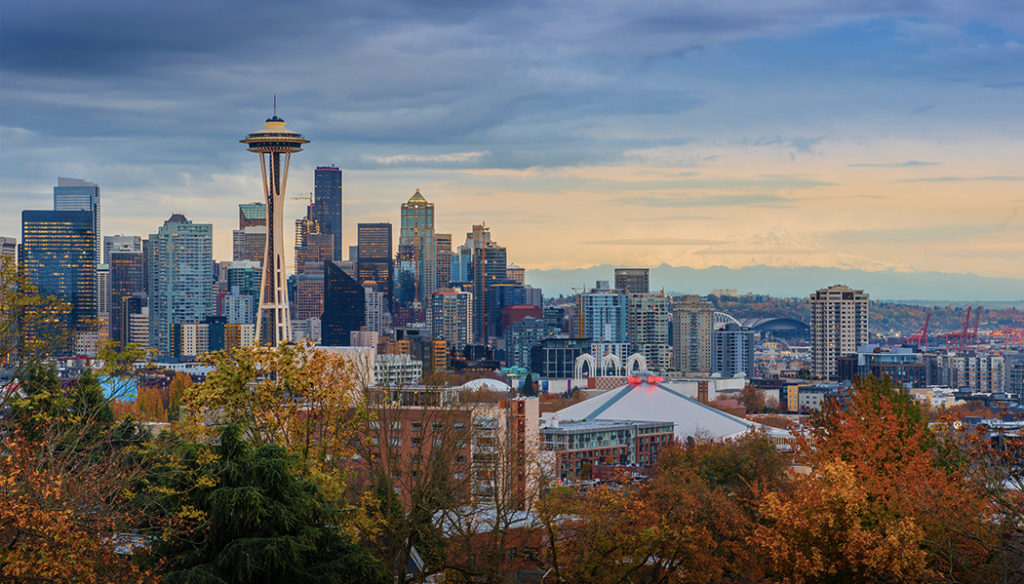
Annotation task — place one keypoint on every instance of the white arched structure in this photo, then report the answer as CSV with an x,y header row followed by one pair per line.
x,y
577,369
609,358
636,362
720,319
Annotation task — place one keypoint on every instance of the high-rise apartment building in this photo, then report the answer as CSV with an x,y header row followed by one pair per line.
x,y
344,306
839,324
327,205
692,323
180,278
647,318
633,280
74,194
488,266
601,315
8,248
444,259
59,258
116,243
417,244
375,257
376,309
309,295
451,318
733,352
516,274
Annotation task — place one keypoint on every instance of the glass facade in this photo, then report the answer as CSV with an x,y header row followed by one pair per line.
x,y
327,204
374,266
59,258
344,306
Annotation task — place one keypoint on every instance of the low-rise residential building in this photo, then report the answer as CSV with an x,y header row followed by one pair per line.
x,y
615,442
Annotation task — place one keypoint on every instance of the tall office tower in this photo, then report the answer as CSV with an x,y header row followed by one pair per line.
x,y
692,323
73,194
633,280
103,292
462,262
252,214
499,295
647,318
249,241
275,146
489,265
375,258
376,308
180,279
59,258
444,260
8,248
316,249
115,243
417,241
516,274
839,324
327,205
126,279
601,315
344,306
451,318
734,351
309,294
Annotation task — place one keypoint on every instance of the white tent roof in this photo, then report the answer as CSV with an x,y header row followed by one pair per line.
x,y
486,383
657,403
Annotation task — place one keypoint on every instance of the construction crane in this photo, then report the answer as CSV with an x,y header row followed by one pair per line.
x,y
921,337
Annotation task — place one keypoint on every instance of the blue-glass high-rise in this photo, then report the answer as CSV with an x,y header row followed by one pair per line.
x,y
74,194
59,258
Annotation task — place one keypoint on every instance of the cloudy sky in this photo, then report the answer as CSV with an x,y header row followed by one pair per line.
x,y
877,134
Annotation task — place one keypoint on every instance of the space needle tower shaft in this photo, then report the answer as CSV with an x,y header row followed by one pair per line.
x,y
275,146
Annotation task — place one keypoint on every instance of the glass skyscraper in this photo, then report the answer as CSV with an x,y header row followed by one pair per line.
x,y
180,278
327,204
74,194
416,244
374,265
59,258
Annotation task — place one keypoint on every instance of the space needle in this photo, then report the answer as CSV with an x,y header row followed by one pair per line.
x,y
275,146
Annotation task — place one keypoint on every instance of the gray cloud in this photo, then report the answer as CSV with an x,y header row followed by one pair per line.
x,y
747,200
940,179
656,241
906,164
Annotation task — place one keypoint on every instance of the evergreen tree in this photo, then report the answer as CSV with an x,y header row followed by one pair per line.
x,y
528,389
248,516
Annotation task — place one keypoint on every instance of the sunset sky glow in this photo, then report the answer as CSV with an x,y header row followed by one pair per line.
x,y
880,135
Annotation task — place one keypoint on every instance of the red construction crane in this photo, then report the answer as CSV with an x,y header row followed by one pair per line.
x,y
922,335
974,334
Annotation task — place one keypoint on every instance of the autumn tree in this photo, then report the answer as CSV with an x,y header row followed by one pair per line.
x,y
689,523
306,400
64,481
32,327
880,501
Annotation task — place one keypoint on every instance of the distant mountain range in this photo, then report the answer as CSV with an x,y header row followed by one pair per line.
x,y
796,282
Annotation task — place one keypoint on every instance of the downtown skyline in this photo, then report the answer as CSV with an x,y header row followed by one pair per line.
x,y
781,134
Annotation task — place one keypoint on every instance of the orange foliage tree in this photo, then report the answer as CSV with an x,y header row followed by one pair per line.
x,y
884,501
